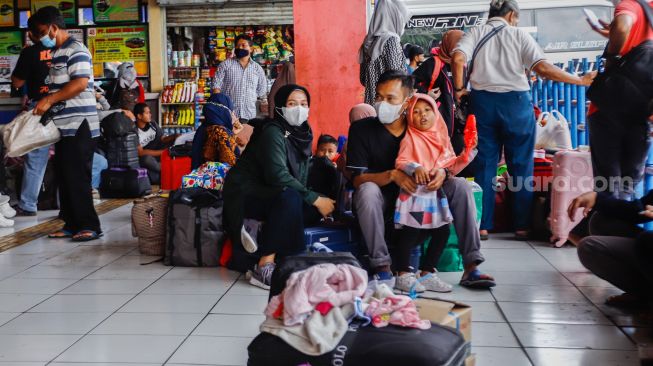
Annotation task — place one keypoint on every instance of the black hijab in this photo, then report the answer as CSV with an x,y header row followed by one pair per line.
x,y
299,140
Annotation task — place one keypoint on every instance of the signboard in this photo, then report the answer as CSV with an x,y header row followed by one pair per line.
x,y
427,30
67,7
7,13
11,43
118,44
112,11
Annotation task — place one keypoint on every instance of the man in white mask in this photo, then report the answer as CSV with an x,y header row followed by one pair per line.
x,y
373,147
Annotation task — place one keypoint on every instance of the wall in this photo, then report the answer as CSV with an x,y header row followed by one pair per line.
x,y
327,37
157,44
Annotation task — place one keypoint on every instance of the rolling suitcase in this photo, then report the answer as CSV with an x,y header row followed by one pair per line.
x,y
388,346
123,182
173,170
573,176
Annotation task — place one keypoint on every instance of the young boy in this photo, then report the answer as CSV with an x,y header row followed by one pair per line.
x,y
152,143
327,145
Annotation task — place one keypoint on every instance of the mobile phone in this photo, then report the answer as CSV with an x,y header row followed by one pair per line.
x,y
592,18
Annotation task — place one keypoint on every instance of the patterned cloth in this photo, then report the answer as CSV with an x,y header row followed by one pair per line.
x,y
422,210
209,175
243,86
220,145
69,62
392,58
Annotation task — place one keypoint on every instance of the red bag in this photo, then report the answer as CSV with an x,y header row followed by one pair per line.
x,y
173,170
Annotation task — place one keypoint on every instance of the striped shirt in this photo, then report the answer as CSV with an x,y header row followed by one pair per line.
x,y
243,86
69,62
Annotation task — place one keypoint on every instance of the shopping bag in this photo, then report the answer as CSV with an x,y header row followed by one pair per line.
x,y
26,133
552,131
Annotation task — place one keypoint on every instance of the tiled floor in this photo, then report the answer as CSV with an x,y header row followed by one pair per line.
x,y
69,304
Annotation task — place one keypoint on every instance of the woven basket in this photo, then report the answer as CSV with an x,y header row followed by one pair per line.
x,y
149,220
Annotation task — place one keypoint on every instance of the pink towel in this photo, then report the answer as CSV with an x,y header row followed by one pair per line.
x,y
396,310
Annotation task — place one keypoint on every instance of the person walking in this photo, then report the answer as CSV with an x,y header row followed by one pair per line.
x,y
71,81
31,70
619,144
242,80
381,50
499,53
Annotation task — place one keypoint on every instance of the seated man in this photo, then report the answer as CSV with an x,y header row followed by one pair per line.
x,y
152,143
372,150
618,250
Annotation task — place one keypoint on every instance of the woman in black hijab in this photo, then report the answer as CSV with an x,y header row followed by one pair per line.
x,y
267,203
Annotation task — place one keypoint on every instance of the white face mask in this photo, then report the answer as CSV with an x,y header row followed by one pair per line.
x,y
295,116
387,112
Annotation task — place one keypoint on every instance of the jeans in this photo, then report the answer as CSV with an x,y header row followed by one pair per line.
x,y
100,163
35,163
619,150
153,166
505,121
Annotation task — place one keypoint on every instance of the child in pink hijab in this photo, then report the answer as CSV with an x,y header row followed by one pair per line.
x,y
425,149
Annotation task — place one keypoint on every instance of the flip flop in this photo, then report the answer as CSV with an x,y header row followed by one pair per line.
x,y
477,280
625,300
86,235
61,234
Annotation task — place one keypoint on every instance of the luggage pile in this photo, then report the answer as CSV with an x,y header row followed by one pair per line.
x,y
310,322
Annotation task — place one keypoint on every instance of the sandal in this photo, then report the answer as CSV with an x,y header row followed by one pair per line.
x,y
86,235
625,300
477,280
522,235
61,234
484,235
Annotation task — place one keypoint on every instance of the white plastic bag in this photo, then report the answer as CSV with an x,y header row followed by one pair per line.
x,y
552,132
26,133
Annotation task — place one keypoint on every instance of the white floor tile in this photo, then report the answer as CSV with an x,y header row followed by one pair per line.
x,y
462,294
170,304
563,259
107,287
522,260
149,324
521,312
18,303
548,294
242,287
14,363
53,323
530,278
62,272
585,357
486,312
101,364
241,305
495,356
582,279
187,273
189,287
122,348
212,351
572,336
82,304
136,273
9,271
221,325
34,286
492,335
17,260
88,256
6,317
33,347
598,295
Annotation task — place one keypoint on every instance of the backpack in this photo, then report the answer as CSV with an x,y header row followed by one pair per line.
x,y
116,125
122,151
195,233
625,90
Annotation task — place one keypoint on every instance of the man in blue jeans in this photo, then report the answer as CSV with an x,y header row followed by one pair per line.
x,y
31,70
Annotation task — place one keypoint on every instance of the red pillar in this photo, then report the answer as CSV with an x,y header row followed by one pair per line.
x,y
328,34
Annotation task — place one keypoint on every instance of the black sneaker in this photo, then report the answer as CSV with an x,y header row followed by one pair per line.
x,y
23,213
262,276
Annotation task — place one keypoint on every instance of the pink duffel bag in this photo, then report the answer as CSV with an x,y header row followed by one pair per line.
x,y
572,176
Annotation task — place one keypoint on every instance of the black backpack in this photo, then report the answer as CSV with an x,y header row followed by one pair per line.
x,y
195,231
116,125
625,90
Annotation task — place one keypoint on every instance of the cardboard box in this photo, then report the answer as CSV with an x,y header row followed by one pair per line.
x,y
470,361
448,313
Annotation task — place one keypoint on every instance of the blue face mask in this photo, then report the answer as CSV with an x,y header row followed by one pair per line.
x,y
48,42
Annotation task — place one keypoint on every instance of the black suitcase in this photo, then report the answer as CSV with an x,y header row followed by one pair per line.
x,y
123,151
389,346
292,264
124,183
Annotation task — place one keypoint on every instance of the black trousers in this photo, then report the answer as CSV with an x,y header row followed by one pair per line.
x,y
619,150
285,217
73,162
408,238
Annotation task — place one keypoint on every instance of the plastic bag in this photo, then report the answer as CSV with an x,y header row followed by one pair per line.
x,y
26,133
552,132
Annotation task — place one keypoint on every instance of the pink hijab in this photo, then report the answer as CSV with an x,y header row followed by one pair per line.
x,y
361,111
432,148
